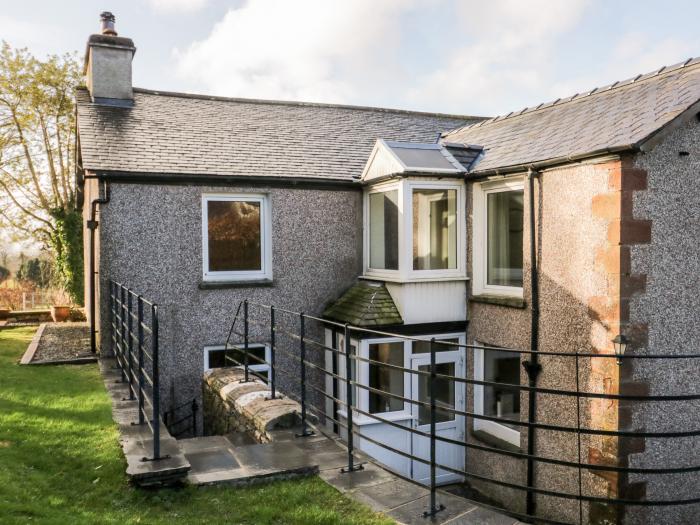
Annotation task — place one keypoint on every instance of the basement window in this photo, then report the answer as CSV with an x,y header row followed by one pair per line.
x,y
220,357
236,238
497,401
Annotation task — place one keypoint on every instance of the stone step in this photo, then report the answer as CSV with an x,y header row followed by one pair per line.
x,y
137,440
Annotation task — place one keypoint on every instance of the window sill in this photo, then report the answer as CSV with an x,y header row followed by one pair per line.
x,y
397,279
222,285
510,302
362,420
490,439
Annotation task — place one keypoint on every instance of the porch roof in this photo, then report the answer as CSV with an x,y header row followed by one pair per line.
x,y
366,303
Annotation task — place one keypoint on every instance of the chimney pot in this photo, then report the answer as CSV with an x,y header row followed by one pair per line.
x,y
107,23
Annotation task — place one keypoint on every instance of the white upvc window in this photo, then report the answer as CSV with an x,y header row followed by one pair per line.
x,y
375,369
500,367
415,230
220,357
236,237
497,232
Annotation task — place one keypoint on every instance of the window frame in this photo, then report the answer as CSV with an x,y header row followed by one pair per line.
x,y
265,272
257,367
497,430
405,272
361,396
482,190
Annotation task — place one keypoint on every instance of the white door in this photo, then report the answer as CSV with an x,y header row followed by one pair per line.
x,y
449,394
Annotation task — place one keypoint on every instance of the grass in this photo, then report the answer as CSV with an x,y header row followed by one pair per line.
x,y
60,462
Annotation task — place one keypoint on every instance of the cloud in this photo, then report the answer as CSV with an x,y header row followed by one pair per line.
x,y
509,60
633,53
180,6
303,50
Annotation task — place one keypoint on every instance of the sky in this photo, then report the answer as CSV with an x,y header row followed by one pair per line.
x,y
468,57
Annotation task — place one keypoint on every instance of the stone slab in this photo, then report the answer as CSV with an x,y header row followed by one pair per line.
x,y
482,516
412,513
388,495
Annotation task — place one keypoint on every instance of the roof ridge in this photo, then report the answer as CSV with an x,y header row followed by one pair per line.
x,y
690,62
303,104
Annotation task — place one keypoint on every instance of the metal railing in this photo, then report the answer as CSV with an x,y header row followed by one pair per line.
x,y
135,344
181,419
295,329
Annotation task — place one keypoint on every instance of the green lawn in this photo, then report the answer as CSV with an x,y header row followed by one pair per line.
x,y
60,462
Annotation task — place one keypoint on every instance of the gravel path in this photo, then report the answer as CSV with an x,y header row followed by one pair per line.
x,y
63,341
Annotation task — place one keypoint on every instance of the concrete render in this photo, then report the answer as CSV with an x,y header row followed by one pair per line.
x,y
670,307
151,241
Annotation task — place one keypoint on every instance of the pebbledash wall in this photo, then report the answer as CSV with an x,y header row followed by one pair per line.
x,y
568,239
151,239
666,318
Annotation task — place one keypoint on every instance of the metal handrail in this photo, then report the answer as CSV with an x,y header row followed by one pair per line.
x,y
135,344
297,335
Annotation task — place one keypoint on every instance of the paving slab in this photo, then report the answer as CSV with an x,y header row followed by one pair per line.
x,y
388,495
412,513
482,516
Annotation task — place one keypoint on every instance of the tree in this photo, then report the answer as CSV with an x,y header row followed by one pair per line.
x,y
36,271
4,273
37,157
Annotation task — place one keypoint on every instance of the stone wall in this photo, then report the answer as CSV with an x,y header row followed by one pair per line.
x,y
233,405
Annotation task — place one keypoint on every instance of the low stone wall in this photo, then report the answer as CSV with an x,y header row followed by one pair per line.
x,y
232,405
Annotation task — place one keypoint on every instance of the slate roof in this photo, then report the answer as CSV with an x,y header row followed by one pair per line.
x,y
200,135
612,118
366,303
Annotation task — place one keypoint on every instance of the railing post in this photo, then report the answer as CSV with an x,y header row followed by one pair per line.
x,y
272,353
194,417
130,345
139,308
434,506
245,338
302,355
112,328
122,330
348,405
156,383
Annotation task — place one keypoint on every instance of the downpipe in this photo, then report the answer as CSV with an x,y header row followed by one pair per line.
x,y
92,225
532,367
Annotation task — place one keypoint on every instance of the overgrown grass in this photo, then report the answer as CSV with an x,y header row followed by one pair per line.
x,y
60,462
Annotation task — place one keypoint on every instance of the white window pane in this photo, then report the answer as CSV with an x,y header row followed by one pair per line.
x,y
434,229
502,367
234,241
384,230
385,378
505,239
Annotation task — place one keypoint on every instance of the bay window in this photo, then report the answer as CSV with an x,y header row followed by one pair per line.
x,y
434,229
384,230
415,230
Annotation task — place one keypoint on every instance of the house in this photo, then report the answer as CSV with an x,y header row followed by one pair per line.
x,y
552,230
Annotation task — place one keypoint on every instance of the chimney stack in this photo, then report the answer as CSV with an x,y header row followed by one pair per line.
x,y
108,65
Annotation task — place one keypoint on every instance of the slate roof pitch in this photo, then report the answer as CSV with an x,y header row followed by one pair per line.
x,y
200,135
611,118
365,304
